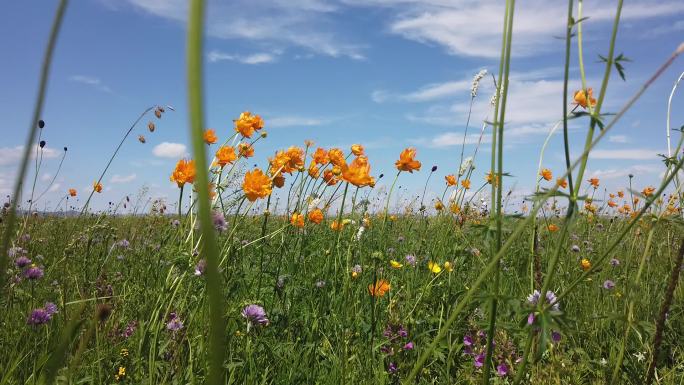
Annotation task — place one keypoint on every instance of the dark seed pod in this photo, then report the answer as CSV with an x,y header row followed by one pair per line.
x,y
150,126
41,123
434,168
65,149
42,143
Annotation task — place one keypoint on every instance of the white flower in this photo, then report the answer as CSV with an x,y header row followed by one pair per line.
x,y
360,233
603,362
313,203
476,82
640,356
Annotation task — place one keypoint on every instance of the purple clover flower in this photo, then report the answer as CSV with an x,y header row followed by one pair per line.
x,y
608,284
219,221
22,262
502,369
200,267
255,315
410,259
42,315
175,324
614,262
33,272
533,299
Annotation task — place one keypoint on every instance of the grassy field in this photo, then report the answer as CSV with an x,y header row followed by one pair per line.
x,y
305,272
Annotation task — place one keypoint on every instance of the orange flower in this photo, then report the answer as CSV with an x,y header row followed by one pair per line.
x,y
562,183
379,289
489,178
636,200
246,150
357,149
439,206
611,195
184,172
247,123
97,186
329,177
594,182
225,155
316,216
552,228
466,184
320,156
210,136
546,174
407,161
450,180
287,161
612,203
72,192
297,220
621,194
581,98
279,181
336,226
648,191
358,172
256,185
308,143
336,157
585,264
314,172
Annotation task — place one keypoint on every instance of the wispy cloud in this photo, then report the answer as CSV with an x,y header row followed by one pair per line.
x,y
91,81
623,172
626,154
169,150
305,24
294,121
12,155
618,139
122,178
256,58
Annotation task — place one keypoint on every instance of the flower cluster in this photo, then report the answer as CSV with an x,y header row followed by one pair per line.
x,y
396,346
504,352
42,315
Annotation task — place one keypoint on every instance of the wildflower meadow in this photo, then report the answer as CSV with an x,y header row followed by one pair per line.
x,y
307,265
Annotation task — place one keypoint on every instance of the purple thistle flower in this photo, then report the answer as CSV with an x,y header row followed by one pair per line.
x,y
530,319
608,284
533,298
255,314
408,346
402,332
22,262
219,221
502,370
130,329
555,336
174,323
38,317
614,262
33,272
411,259
392,368
124,244
479,360
200,267
15,251
51,308
467,340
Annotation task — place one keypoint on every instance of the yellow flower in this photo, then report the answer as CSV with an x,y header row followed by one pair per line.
x,y
357,149
358,172
184,172
297,220
335,226
247,123
407,161
648,191
97,186
492,179
314,172
336,157
316,216
379,289
439,206
395,264
434,267
552,228
585,264
256,185
450,180
225,155
320,156
454,208
246,150
210,136
448,266
582,96
546,174
466,184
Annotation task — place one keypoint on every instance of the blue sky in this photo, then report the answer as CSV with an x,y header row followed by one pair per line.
x,y
385,73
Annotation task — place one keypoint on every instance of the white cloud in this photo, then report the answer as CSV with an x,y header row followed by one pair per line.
x,y
617,139
257,58
169,150
91,81
616,173
627,154
12,155
122,178
292,121
299,23
46,177
54,187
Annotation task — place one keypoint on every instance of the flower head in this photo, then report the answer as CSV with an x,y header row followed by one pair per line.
x,y
357,149
395,264
210,136
225,155
33,272
97,186
246,150
358,172
174,324
546,174
608,284
256,185
316,216
585,98
379,289
585,264
184,172
434,267
255,315
450,180
297,220
407,161
247,124
648,191
72,192
594,182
